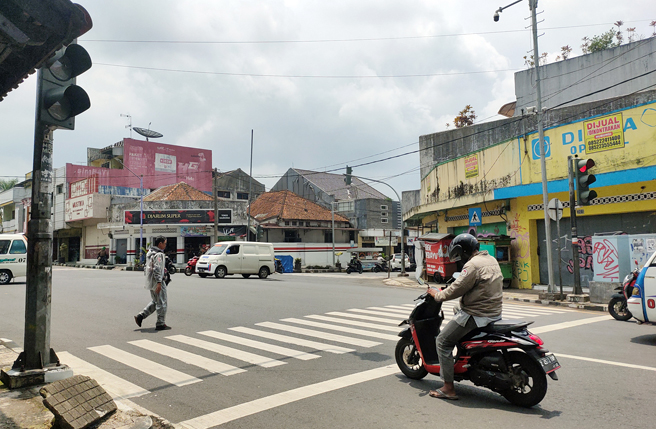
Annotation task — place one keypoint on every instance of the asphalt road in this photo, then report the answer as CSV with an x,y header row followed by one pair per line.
x,y
217,363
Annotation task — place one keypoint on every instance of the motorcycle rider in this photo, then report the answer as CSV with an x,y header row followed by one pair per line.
x,y
480,289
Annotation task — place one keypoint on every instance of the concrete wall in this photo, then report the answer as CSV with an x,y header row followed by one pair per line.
x,y
578,80
314,253
410,199
238,181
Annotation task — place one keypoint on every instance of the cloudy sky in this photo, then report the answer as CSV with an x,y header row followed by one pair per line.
x,y
322,84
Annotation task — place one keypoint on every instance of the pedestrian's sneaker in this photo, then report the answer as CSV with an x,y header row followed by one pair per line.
x,y
162,327
138,318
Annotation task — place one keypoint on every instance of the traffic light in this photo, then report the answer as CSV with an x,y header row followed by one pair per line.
x,y
347,179
59,98
583,181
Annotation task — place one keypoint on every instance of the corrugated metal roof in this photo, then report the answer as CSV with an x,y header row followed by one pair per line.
x,y
333,184
435,236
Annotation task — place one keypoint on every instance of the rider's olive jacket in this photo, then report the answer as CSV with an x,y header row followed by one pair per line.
x,y
480,287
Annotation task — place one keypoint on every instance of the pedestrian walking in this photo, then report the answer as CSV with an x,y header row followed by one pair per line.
x,y
154,273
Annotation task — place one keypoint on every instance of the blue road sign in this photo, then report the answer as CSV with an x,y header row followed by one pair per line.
x,y
476,217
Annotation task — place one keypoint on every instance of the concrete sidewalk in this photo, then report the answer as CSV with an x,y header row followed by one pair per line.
x,y
23,407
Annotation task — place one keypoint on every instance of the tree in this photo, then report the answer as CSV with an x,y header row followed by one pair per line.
x,y
603,41
6,184
465,117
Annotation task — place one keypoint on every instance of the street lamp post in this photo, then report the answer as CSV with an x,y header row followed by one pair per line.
x,y
402,226
332,209
140,177
533,5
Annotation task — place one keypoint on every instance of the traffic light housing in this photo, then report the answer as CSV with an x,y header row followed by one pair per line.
x,y
59,98
583,181
347,179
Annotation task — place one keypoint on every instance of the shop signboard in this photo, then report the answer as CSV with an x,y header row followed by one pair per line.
x,y
154,217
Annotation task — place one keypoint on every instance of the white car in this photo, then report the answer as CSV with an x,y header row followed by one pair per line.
x,y
395,262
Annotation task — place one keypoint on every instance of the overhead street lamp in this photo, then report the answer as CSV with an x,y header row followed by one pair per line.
x,y
140,177
533,5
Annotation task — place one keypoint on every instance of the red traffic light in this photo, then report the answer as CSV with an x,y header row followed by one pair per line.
x,y
585,164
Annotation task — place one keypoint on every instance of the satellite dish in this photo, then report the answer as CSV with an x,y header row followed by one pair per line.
x,y
148,133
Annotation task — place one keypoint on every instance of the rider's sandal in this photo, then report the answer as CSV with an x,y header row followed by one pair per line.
x,y
441,395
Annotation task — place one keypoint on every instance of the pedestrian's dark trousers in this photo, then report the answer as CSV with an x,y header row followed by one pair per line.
x,y
446,341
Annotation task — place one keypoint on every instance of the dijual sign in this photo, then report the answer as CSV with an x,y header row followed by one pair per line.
x,y
604,133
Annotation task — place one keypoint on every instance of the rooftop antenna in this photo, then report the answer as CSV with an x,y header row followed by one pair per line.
x,y
130,124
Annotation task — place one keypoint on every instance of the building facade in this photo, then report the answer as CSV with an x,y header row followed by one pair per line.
x,y
487,178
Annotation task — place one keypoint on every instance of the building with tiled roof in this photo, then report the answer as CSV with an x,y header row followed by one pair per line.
x,y
372,213
177,192
286,217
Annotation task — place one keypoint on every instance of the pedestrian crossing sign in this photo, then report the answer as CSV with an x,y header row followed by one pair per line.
x,y
475,217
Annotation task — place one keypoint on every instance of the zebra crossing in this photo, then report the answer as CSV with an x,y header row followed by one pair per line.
x,y
268,345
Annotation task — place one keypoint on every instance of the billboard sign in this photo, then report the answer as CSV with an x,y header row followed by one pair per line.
x,y
153,217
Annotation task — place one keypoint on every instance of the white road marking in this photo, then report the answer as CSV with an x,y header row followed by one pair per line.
x,y
558,326
314,345
348,330
228,351
370,318
284,351
391,311
117,387
318,334
534,309
253,407
147,366
189,358
376,313
355,323
607,362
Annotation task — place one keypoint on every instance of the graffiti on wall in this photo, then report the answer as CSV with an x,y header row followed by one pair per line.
x,y
607,260
520,250
585,255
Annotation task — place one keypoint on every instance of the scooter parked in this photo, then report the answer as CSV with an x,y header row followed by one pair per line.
x,y
354,265
279,268
380,266
191,266
503,356
617,306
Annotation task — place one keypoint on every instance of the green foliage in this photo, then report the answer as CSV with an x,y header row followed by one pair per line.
x,y
6,184
599,43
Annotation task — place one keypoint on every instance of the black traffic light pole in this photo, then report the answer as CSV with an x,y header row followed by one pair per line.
x,y
572,214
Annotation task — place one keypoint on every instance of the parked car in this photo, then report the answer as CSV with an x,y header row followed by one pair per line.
x,y
395,262
13,257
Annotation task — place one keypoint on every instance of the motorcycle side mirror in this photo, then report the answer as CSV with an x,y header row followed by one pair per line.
x,y
421,281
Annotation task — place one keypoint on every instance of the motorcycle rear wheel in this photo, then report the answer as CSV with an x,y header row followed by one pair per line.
x,y
188,271
348,270
617,309
376,269
530,379
408,359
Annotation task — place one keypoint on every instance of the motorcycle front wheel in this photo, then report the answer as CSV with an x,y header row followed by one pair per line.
x,y
360,270
408,359
530,381
188,271
348,270
617,309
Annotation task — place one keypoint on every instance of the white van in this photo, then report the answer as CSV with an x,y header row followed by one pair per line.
x,y
245,258
13,257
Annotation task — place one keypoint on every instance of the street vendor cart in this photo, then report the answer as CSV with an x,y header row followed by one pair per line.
x,y
438,264
499,247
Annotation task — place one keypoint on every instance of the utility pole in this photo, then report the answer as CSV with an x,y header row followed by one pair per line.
x,y
533,5
572,218
250,181
332,210
215,236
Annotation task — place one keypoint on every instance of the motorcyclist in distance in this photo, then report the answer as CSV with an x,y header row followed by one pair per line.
x,y
480,289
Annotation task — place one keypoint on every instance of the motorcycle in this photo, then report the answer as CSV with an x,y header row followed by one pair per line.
x,y
380,266
279,268
191,266
354,265
617,306
502,356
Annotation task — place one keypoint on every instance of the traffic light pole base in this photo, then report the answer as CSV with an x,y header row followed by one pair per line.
x,y
15,378
579,298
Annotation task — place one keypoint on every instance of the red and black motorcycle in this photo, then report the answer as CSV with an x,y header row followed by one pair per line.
x,y
617,306
191,266
503,356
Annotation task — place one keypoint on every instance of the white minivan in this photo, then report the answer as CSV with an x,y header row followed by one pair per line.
x,y
13,257
245,258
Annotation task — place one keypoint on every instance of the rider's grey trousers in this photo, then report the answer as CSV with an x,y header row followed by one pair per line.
x,y
446,341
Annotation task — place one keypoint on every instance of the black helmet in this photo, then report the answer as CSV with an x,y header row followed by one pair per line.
x,y
463,247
